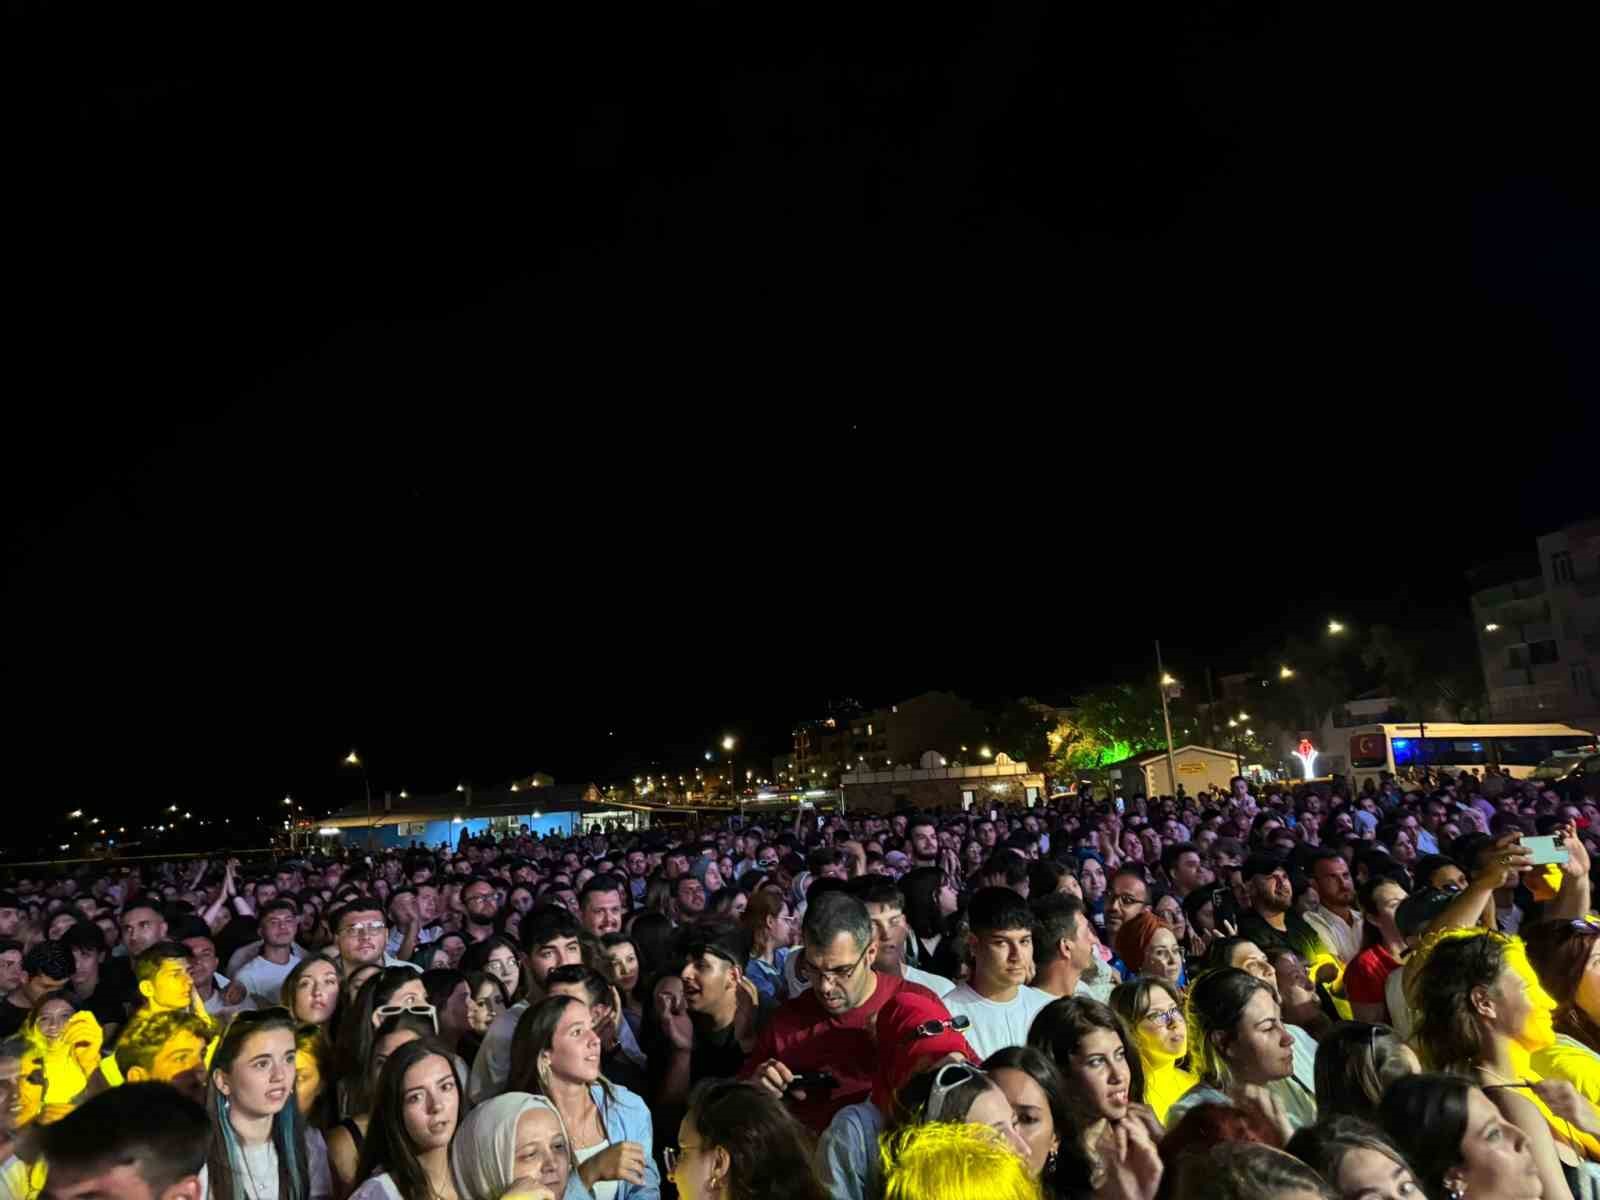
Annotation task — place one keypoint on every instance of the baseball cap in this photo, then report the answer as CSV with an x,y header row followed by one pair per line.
x,y
1417,910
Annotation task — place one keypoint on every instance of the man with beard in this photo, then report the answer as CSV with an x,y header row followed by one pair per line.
x,y
886,908
1336,920
638,874
477,899
828,1027
601,905
1271,920
924,836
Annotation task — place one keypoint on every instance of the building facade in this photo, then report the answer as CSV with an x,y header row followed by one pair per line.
x,y
1539,632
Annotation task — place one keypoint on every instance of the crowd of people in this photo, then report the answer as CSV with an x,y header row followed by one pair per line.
x,y
1264,992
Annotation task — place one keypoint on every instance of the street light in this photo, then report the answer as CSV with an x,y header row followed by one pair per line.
x,y
1491,627
1335,627
985,752
352,759
1285,673
727,742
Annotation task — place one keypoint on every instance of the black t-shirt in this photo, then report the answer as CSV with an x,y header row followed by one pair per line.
x,y
106,1005
1297,935
11,1018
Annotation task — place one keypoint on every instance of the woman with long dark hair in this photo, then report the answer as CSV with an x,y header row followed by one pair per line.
x,y
311,992
1104,1078
347,1137
261,1148
1356,1158
392,991
555,1052
930,899
502,958
1241,1051
1458,1143
739,1142
1044,1120
416,1107
1356,1063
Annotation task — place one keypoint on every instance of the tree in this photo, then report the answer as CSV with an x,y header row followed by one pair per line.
x,y
1021,729
1430,673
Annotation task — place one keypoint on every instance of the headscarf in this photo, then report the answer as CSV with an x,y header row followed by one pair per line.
x,y
900,1052
1134,938
483,1157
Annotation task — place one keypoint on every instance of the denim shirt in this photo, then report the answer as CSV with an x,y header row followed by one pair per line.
x,y
847,1158
768,980
628,1120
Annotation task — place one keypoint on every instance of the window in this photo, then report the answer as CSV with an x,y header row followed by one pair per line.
x,y
1561,566
1531,751
1439,752
966,801
1542,654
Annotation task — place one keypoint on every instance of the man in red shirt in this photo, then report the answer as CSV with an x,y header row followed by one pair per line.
x,y
831,1027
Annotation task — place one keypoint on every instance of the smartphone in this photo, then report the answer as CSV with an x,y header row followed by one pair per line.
x,y
1544,850
1224,908
1121,807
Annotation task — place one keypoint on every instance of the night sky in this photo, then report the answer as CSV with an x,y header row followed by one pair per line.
x,y
560,395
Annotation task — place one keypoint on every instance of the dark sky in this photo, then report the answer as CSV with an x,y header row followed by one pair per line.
x,y
557,395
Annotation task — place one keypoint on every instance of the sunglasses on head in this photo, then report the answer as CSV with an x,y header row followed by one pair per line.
x,y
948,1079
384,1011
936,1026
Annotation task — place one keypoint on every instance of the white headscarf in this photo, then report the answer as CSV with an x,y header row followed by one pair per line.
x,y
483,1156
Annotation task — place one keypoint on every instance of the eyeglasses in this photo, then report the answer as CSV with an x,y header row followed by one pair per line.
x,y
1124,899
838,974
356,928
935,1027
673,1157
1164,1020
950,1077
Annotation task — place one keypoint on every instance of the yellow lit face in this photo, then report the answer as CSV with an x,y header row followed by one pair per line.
x,y
1532,1008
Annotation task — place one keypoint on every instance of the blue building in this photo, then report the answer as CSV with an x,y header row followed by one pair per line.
x,y
446,819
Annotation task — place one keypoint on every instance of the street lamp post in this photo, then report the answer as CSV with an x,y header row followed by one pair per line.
x,y
1166,717
354,760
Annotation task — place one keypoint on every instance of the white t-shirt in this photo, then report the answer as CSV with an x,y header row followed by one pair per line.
x,y
604,1189
263,978
261,1163
996,1026
937,984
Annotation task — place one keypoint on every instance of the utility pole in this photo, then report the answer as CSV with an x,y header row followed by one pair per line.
x,y
1166,718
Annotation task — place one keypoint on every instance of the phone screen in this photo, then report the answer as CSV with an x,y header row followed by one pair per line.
x,y
1544,850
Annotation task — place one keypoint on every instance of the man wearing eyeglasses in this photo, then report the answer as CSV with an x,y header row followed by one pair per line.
x,y
997,999
361,934
828,1027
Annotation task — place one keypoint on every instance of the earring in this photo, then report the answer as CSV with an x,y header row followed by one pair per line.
x,y
1049,1164
1456,1189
